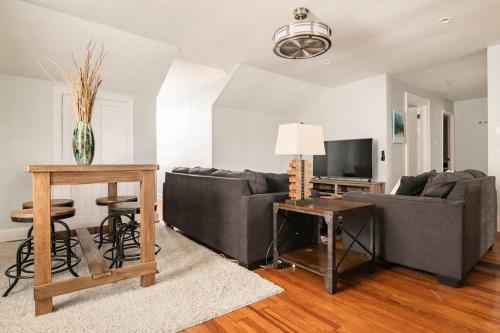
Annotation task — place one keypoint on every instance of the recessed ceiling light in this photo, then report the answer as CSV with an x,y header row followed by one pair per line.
x,y
327,62
445,20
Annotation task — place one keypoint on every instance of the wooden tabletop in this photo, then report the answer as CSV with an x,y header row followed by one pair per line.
x,y
95,167
322,205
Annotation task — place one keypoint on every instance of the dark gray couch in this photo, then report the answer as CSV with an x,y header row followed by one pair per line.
x,y
222,213
446,237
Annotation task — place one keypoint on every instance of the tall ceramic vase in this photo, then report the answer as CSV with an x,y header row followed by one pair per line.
x,y
83,143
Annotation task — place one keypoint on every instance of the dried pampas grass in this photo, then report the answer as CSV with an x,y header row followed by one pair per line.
x,y
83,80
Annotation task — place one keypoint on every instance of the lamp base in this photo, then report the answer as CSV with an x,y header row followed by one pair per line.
x,y
299,201
300,176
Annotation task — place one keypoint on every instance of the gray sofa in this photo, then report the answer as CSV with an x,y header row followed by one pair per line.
x,y
446,237
224,214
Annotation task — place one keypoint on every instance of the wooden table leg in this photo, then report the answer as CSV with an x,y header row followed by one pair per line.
x,y
112,192
147,224
331,271
42,238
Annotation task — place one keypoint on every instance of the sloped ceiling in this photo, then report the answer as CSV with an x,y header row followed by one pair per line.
x,y
370,37
253,89
30,35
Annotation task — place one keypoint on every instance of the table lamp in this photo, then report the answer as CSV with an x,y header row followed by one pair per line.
x,y
300,139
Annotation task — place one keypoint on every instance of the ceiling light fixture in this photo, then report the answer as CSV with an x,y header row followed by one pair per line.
x,y
302,39
445,20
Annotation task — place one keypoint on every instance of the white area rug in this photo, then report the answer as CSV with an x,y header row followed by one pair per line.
x,y
194,285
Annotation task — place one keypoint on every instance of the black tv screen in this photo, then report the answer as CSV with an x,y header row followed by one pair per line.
x,y
345,158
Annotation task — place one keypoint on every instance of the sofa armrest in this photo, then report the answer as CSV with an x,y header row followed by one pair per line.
x,y
419,232
257,225
205,208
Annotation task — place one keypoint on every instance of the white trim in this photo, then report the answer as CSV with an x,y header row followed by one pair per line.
x,y
14,234
498,223
426,130
451,136
59,91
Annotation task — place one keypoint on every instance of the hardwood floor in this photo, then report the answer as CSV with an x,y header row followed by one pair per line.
x,y
394,299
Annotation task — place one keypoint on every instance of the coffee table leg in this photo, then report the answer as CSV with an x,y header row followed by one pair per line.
x,y
372,238
275,236
331,271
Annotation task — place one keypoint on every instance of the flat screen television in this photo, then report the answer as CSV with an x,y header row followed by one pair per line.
x,y
345,159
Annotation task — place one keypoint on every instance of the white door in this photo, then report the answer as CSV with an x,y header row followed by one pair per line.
x,y
112,124
412,141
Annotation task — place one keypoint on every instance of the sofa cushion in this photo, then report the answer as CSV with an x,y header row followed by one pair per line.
x,y
256,180
202,171
414,185
440,185
476,173
277,182
181,170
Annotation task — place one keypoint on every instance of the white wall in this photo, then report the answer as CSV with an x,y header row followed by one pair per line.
x,y
494,114
247,114
471,134
25,138
246,140
26,134
354,111
184,116
396,152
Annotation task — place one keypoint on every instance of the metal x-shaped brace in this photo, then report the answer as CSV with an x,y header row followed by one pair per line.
x,y
354,240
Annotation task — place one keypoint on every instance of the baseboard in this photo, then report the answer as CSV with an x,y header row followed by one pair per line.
x,y
14,234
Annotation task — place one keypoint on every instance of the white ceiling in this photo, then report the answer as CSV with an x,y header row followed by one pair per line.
x,y
400,37
32,38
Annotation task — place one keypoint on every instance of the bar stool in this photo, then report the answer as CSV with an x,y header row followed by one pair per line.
x,y
108,237
24,255
127,235
58,203
53,203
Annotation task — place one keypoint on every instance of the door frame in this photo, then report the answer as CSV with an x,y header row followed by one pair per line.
x,y
426,130
451,137
59,91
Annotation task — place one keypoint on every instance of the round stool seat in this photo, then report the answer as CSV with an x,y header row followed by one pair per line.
x,y
26,215
106,201
125,208
53,203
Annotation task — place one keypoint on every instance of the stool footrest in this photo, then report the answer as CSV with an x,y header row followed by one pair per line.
x,y
97,265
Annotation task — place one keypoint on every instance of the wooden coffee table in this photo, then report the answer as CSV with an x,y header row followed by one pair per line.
x,y
325,259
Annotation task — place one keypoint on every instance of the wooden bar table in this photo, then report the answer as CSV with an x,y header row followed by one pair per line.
x,y
46,175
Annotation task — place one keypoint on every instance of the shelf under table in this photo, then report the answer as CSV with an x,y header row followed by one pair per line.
x,y
314,258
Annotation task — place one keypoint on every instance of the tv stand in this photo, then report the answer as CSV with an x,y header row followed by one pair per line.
x,y
336,187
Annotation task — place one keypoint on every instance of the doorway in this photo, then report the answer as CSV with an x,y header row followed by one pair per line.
x,y
448,141
417,134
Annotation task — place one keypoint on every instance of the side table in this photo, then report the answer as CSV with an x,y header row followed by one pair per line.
x,y
325,259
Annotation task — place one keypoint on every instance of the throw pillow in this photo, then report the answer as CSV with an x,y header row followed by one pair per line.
x,y
277,182
440,185
414,185
256,184
202,171
181,170
476,173
260,182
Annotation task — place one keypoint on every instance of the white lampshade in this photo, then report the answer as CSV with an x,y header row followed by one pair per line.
x,y
300,139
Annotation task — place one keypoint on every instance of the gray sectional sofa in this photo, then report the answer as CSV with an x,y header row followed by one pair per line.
x,y
230,212
444,236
